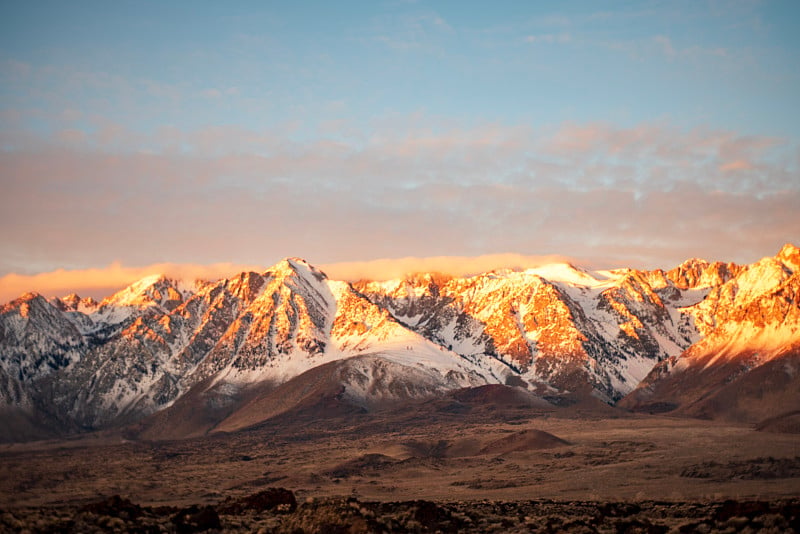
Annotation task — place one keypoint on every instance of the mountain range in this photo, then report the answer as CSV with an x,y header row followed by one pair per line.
x,y
170,358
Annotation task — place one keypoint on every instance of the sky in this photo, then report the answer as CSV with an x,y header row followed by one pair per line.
x,y
199,134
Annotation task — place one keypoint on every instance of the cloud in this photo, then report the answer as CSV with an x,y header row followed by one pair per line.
x,y
387,269
12,70
549,38
662,155
736,165
418,31
102,282
71,136
214,93
410,186
211,93
662,46
665,44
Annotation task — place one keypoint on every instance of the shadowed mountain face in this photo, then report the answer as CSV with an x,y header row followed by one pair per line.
x,y
705,340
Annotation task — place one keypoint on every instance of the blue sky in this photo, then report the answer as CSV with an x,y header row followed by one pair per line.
x,y
728,64
633,132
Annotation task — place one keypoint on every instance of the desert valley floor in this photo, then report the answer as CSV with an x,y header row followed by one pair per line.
x,y
461,455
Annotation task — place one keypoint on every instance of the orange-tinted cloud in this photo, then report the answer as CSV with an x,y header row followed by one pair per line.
x,y
102,282
736,165
387,269
646,196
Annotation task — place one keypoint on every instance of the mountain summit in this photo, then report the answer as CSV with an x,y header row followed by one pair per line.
x,y
703,339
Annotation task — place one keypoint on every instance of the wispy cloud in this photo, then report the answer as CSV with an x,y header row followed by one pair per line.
x,y
737,165
410,31
549,38
214,93
664,47
665,44
640,195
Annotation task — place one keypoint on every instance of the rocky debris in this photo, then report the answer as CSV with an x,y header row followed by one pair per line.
x,y
196,519
755,469
256,513
114,506
279,499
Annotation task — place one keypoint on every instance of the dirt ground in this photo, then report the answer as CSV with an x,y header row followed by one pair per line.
x,y
449,460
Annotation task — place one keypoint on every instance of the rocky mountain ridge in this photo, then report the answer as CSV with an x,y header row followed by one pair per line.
x,y
750,350
71,364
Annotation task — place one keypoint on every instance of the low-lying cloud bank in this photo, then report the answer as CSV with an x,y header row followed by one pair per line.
x,y
102,282
387,269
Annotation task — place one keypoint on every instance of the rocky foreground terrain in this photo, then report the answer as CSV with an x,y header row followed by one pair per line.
x,y
477,462
276,510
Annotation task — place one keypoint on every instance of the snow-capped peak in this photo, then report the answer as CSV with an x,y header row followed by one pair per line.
x,y
290,267
74,303
569,274
151,291
790,256
71,301
762,277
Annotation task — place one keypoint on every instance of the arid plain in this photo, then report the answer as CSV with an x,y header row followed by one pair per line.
x,y
449,451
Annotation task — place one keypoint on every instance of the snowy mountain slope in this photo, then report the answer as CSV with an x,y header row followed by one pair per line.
x,y
556,325
354,384
141,349
752,329
557,329
37,340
